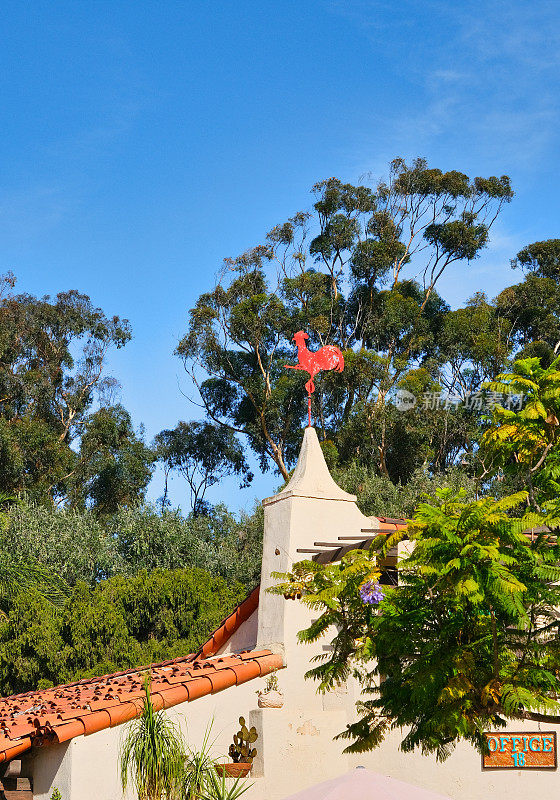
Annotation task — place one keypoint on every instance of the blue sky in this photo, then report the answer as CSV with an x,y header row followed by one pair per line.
x,y
143,142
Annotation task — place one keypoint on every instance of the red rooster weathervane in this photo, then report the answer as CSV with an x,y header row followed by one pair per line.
x,y
327,358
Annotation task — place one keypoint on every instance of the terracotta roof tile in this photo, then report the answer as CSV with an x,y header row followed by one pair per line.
x,y
60,714
171,697
199,687
246,671
230,624
69,730
97,721
93,704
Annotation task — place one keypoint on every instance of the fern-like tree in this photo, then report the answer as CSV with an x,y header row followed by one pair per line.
x,y
469,638
153,754
465,642
524,443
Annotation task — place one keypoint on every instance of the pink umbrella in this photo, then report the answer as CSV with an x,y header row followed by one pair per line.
x,y
361,784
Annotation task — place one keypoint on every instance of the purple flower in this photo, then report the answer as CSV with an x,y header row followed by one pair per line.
x,y
371,593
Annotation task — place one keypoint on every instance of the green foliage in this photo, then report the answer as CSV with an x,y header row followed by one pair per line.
x,y
525,442
201,782
271,684
19,571
540,258
379,496
152,754
387,248
52,357
203,454
120,623
71,543
465,642
219,788
225,544
115,465
532,311
80,546
240,750
56,794
199,768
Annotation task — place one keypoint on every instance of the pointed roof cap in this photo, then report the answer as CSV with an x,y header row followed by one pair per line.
x,y
311,477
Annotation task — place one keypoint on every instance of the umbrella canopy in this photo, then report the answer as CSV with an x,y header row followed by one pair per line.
x,y
361,784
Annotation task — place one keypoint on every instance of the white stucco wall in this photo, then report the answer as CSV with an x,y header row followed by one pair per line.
x,y
244,638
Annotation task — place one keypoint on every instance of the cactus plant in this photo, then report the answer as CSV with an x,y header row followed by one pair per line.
x,y
241,751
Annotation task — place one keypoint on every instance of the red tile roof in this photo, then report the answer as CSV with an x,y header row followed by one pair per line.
x,y
230,624
87,706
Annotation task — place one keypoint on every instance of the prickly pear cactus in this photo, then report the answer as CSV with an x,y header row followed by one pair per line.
x,y
241,750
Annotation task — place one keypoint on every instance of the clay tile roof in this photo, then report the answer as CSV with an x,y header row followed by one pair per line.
x,y
230,624
90,705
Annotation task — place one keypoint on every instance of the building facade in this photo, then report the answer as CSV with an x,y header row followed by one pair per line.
x,y
69,737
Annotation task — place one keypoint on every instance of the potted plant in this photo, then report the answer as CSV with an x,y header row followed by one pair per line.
x,y
199,768
241,753
270,696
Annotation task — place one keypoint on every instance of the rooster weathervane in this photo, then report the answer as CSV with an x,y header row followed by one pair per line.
x,y
327,358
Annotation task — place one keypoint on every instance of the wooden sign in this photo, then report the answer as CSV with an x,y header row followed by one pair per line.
x,y
521,750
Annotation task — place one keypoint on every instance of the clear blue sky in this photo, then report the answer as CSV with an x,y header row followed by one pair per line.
x,y
145,141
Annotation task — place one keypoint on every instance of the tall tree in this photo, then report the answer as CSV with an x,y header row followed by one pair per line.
x,y
361,272
203,454
114,464
52,360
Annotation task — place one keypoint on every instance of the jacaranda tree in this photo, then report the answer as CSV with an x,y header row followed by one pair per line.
x,y
468,639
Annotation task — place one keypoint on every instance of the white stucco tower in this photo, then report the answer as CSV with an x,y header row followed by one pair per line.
x,y
311,508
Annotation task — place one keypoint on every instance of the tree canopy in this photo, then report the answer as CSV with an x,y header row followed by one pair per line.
x,y
359,271
120,623
52,373
203,453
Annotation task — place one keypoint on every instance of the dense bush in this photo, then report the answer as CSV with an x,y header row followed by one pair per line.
x,y
122,622
80,546
73,544
379,496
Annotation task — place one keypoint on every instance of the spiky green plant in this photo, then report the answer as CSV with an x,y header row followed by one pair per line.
x,y
199,768
218,789
153,754
17,576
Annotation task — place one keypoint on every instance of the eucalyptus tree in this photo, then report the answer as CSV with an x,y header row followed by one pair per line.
x,y
532,307
114,464
360,271
53,353
203,454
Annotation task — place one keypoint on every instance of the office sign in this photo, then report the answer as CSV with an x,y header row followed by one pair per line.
x,y
522,750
